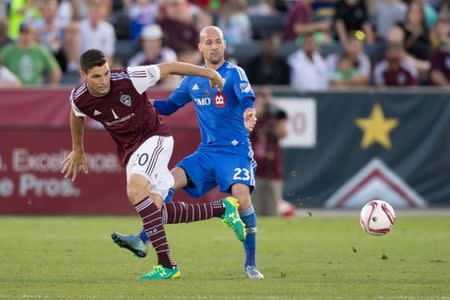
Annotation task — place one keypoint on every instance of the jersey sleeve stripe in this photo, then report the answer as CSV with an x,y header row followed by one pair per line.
x,y
77,93
138,76
241,73
140,72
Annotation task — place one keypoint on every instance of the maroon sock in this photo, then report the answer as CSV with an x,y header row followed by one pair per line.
x,y
182,212
152,222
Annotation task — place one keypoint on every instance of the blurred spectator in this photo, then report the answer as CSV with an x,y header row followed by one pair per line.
x,y
178,26
352,16
153,52
8,79
235,23
308,69
344,73
30,61
269,130
262,8
440,58
21,11
396,69
51,34
95,32
387,14
301,21
142,13
355,50
417,40
268,68
440,34
4,38
190,55
430,13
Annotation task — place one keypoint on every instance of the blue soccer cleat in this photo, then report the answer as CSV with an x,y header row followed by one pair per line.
x,y
131,242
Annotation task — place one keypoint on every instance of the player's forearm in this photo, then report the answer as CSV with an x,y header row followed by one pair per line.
x,y
179,68
76,129
165,107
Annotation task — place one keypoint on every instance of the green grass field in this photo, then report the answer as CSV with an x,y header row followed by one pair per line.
x,y
307,258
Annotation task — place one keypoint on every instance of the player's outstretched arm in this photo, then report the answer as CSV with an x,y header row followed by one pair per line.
x,y
76,159
179,68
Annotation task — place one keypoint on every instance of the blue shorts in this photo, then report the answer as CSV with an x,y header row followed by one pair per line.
x,y
206,169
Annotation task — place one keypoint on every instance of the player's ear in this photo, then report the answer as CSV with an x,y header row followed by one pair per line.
x,y
83,75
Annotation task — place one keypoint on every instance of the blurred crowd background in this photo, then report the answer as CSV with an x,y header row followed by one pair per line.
x,y
305,44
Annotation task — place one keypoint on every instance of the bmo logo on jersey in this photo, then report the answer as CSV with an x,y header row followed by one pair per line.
x,y
220,100
202,101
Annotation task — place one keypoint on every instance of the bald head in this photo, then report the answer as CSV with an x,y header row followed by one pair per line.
x,y
212,46
210,31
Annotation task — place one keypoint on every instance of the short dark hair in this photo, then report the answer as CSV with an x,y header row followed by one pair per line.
x,y
92,58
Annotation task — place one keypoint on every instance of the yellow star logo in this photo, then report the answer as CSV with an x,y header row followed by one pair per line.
x,y
376,128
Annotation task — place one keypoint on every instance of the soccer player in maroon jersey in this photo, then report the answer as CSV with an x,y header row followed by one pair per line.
x,y
118,101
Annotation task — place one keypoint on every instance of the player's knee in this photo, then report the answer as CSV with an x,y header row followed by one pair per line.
x,y
137,188
243,198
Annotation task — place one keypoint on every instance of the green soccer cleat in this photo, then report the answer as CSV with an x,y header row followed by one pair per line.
x,y
232,219
131,242
160,272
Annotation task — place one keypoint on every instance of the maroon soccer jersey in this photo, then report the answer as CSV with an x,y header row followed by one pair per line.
x,y
404,75
125,111
440,61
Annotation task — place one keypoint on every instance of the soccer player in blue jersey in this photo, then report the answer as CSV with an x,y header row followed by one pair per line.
x,y
225,156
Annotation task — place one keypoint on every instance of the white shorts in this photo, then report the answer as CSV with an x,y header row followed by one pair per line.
x,y
150,160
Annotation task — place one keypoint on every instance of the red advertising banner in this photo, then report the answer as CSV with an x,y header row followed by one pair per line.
x,y
34,139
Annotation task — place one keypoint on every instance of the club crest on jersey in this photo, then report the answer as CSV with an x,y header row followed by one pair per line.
x,y
125,100
245,87
220,100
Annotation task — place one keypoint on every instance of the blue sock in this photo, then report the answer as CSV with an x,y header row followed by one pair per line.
x,y
169,196
143,236
248,216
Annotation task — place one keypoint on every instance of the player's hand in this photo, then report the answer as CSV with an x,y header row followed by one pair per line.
x,y
250,118
215,79
73,163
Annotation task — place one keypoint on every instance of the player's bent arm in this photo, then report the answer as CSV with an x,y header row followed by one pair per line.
x,y
180,68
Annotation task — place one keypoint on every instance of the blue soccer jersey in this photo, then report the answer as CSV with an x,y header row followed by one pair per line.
x,y
220,113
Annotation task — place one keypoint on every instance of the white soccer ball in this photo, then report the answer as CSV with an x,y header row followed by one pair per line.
x,y
377,217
